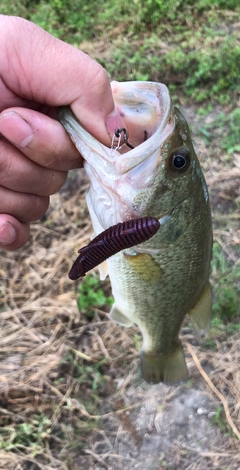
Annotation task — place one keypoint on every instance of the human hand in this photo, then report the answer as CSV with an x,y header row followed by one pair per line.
x,y
38,73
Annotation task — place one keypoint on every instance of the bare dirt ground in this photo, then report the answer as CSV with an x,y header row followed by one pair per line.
x,y
71,394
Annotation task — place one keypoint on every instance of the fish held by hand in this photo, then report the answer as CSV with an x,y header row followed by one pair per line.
x,y
157,282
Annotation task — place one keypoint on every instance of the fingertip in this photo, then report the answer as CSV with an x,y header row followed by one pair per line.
x,y
22,135
13,234
8,233
114,121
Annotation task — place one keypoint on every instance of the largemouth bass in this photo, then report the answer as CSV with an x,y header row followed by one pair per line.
x,y
157,282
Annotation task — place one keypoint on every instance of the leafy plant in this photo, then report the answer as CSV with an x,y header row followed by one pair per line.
x,y
91,294
231,141
208,343
226,288
210,75
28,434
150,12
90,374
77,25
219,419
205,4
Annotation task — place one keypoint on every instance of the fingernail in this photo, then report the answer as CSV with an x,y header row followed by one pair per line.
x,y
114,121
15,129
7,234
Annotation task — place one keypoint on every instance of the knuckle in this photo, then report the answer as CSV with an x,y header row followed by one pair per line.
x,y
37,206
23,206
52,182
5,163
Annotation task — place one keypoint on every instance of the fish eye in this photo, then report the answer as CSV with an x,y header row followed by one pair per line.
x,y
179,160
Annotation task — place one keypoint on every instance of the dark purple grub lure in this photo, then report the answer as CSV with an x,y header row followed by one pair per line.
x,y
111,241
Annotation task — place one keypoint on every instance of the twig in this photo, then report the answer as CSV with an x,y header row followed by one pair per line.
x,y
116,412
215,390
84,356
101,344
98,458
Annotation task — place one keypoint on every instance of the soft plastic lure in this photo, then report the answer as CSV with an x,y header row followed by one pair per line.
x,y
116,238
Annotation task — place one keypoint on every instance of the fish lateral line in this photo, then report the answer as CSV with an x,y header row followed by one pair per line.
x,y
111,241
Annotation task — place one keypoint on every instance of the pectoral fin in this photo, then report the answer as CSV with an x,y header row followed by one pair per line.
x,y
169,369
103,270
201,312
117,316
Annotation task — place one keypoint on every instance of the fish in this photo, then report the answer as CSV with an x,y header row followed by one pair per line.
x,y
159,281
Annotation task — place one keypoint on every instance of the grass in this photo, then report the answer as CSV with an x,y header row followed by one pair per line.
x,y
219,419
226,127
26,435
231,141
83,372
226,288
91,295
151,40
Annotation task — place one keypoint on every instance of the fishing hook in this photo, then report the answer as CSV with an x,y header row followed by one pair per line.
x,y
117,134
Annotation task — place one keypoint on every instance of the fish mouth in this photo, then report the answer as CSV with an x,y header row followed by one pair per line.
x,y
145,107
117,176
146,110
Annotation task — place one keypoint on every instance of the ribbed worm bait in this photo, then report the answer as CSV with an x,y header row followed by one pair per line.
x,y
112,240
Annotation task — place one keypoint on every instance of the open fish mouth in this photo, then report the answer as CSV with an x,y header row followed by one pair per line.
x,y
145,108
149,120
125,170
147,112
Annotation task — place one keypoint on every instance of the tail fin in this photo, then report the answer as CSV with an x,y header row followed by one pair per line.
x,y
168,369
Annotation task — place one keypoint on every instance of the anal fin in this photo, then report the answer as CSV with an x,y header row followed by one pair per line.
x,y
169,368
119,317
201,313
